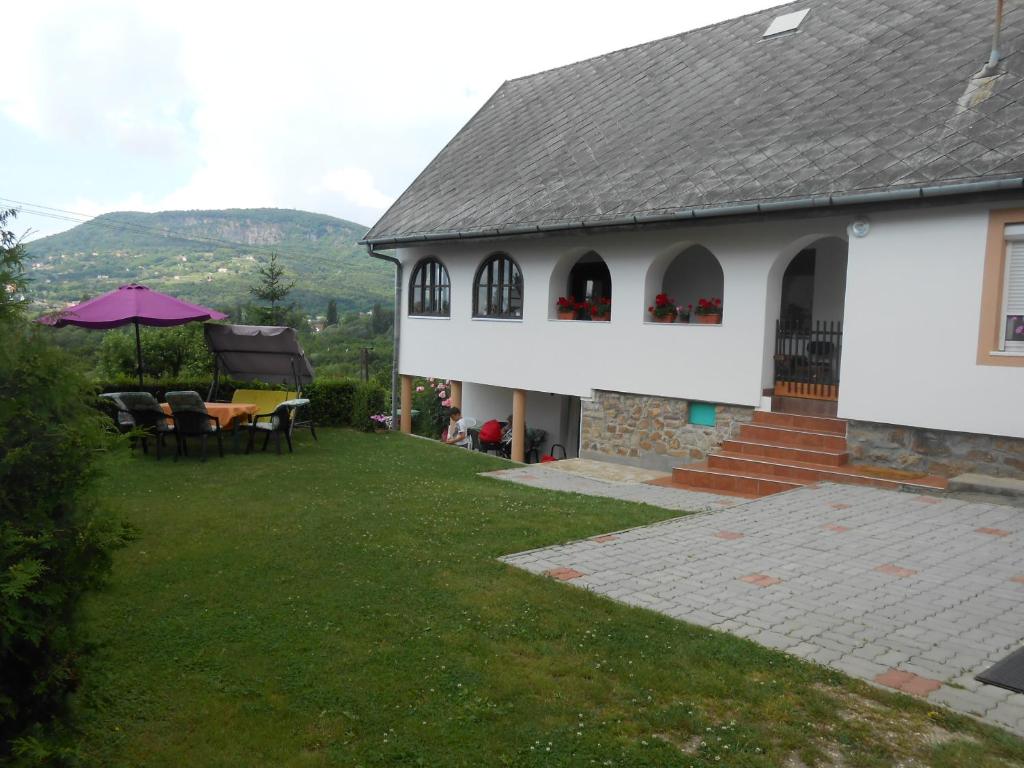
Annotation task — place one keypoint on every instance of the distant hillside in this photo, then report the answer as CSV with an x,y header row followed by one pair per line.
x,y
210,257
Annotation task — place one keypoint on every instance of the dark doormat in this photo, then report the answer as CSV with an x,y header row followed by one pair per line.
x,y
1008,673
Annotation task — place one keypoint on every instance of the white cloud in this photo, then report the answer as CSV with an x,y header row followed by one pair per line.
x,y
327,107
356,186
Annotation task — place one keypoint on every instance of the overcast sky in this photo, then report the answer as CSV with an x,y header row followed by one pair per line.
x,y
332,108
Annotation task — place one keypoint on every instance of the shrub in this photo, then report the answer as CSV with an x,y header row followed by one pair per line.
x,y
331,401
369,399
431,399
55,541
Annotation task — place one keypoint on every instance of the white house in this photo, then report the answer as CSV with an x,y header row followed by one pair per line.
x,y
848,181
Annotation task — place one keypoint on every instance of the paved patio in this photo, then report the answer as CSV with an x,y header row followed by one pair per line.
x,y
917,593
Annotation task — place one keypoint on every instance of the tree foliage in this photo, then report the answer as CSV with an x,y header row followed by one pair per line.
x,y
273,288
167,353
332,313
12,272
55,541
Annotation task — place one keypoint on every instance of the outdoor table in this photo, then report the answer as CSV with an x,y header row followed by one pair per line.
x,y
228,414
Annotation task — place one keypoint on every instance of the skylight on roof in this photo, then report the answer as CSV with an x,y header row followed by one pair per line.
x,y
786,23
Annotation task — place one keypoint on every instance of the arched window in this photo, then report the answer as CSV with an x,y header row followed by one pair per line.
x,y
429,290
498,288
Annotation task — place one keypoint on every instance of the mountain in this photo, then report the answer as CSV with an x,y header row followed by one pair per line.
x,y
210,257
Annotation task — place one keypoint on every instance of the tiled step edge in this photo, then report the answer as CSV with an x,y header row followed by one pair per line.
x,y
786,452
791,438
731,482
824,424
800,473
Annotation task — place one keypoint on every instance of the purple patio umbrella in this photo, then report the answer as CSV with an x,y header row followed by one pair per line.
x,y
135,304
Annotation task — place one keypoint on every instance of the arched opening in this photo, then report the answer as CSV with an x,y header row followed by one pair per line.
x,y
695,284
589,283
807,296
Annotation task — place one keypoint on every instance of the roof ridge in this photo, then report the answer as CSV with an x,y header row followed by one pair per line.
x,y
656,40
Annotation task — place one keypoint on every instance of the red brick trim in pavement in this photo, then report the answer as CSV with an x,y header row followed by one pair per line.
x,y
908,682
607,537
835,528
728,535
760,580
840,505
563,574
1018,579
992,531
895,570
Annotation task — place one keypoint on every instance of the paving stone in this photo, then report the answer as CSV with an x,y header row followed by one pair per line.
x,y
944,607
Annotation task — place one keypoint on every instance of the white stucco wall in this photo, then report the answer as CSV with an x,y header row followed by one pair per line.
x,y
911,312
544,410
911,328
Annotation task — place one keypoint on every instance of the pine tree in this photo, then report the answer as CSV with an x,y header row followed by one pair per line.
x,y
332,312
272,288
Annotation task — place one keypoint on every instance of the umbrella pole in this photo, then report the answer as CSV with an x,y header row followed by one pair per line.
x,y
138,351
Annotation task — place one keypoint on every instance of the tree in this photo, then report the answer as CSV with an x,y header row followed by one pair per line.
x,y
55,538
12,272
332,312
273,288
381,321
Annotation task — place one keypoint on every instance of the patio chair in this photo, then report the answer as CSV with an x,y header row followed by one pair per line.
x,y
113,405
278,422
147,418
191,420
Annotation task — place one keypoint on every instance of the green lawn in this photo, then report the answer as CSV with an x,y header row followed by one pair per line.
x,y
343,606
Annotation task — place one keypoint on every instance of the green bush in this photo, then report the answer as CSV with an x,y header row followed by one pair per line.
x,y
432,418
55,540
331,400
369,399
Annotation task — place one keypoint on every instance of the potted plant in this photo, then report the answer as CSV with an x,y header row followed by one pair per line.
x,y
601,308
684,312
709,311
664,309
566,307
381,422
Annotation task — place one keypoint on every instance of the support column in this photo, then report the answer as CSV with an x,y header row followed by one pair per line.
x,y
518,425
456,393
406,404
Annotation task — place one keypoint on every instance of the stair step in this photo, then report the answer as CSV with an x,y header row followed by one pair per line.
x,y
792,438
701,477
800,422
786,453
804,473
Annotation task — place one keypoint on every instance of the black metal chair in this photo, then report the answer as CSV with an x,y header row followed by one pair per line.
x,y
192,420
147,420
278,422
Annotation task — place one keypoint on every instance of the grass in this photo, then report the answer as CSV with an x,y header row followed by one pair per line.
x,y
344,606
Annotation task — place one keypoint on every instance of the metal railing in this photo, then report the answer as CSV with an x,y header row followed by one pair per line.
x,y
807,358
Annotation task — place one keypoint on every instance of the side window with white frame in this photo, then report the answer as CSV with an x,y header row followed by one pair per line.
x,y
1012,313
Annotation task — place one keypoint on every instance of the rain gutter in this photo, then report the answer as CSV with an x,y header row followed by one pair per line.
x,y
691,214
397,329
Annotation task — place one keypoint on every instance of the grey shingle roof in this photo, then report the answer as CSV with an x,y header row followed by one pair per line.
x,y
864,97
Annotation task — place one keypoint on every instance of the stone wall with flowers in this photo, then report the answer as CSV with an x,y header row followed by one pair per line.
x,y
652,432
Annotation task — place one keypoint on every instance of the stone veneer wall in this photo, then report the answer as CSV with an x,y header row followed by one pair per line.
x,y
933,451
651,432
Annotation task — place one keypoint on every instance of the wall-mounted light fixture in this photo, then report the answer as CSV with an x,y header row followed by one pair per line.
x,y
860,226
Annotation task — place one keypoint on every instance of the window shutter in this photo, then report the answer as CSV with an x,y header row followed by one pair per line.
x,y
1013,337
1015,280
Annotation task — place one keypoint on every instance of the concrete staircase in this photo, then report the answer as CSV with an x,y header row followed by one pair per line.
x,y
782,451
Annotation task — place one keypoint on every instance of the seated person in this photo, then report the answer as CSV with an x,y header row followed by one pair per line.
x,y
457,432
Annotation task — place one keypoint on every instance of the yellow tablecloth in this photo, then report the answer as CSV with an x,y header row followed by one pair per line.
x,y
226,413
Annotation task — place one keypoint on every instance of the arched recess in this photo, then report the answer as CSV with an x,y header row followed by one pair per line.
x,y
585,277
687,275
498,288
429,289
806,287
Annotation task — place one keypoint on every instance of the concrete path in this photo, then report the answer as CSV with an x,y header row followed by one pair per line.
x,y
917,593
